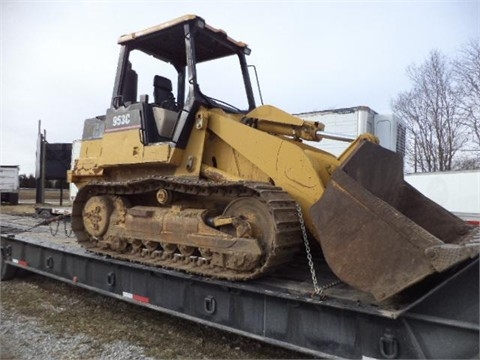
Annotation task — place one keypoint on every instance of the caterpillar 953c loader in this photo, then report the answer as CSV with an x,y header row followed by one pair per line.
x,y
194,183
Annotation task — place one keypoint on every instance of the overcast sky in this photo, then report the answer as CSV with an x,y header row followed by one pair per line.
x,y
58,58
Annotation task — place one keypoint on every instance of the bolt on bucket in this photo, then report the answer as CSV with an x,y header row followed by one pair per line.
x,y
378,233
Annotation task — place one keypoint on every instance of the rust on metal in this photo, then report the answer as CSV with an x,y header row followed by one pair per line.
x,y
256,229
381,235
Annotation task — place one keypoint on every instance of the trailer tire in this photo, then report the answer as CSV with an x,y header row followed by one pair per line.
x,y
23,273
45,214
10,198
13,199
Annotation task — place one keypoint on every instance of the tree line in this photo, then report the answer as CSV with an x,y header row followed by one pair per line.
x,y
29,181
442,111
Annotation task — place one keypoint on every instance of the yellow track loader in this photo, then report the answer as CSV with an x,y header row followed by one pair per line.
x,y
184,180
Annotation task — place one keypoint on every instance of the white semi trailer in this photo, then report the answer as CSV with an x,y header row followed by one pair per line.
x,y
9,183
456,191
357,120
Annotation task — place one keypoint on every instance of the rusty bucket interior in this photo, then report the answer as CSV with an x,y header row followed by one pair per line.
x,y
381,235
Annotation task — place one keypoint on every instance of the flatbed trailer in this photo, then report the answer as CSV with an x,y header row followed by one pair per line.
x,y
437,319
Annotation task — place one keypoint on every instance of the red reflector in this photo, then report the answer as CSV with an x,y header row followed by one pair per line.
x,y
473,222
141,298
136,297
20,262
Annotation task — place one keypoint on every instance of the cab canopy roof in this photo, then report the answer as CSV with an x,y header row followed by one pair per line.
x,y
167,41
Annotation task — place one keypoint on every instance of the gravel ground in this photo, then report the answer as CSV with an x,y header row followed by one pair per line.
x,y
46,319
40,342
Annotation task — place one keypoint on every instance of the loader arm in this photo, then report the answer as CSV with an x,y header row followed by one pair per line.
x,y
301,170
377,233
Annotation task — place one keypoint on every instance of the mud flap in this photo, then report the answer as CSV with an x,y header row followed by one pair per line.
x,y
381,235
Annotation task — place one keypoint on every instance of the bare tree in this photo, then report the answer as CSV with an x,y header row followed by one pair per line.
x,y
466,72
431,110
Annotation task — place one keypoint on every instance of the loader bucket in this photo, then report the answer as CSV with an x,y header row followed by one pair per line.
x,y
378,233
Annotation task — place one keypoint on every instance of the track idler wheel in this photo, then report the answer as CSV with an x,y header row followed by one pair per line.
x,y
96,215
251,219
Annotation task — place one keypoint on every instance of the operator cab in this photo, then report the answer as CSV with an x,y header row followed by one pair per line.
x,y
165,74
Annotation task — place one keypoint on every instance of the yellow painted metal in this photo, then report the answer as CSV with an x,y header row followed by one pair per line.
x,y
216,174
225,162
125,147
180,20
138,34
118,149
275,115
301,170
224,147
87,164
355,144
275,121
192,159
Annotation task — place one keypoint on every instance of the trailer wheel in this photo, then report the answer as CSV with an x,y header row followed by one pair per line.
x,y
8,271
22,273
13,199
45,214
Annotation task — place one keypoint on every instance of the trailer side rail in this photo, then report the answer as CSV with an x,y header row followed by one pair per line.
x,y
312,327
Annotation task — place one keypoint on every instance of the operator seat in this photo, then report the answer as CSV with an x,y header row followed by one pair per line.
x,y
162,93
164,108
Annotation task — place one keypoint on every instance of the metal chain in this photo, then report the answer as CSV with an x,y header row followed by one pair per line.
x,y
53,231
316,288
45,222
68,227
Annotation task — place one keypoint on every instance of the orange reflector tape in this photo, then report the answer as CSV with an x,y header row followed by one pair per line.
x,y
136,297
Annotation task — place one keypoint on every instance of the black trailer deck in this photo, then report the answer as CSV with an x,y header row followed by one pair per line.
x,y
437,319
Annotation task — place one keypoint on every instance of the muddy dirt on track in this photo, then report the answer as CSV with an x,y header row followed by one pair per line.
x,y
46,319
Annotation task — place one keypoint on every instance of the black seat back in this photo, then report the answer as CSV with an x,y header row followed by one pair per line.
x,y
129,89
162,93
